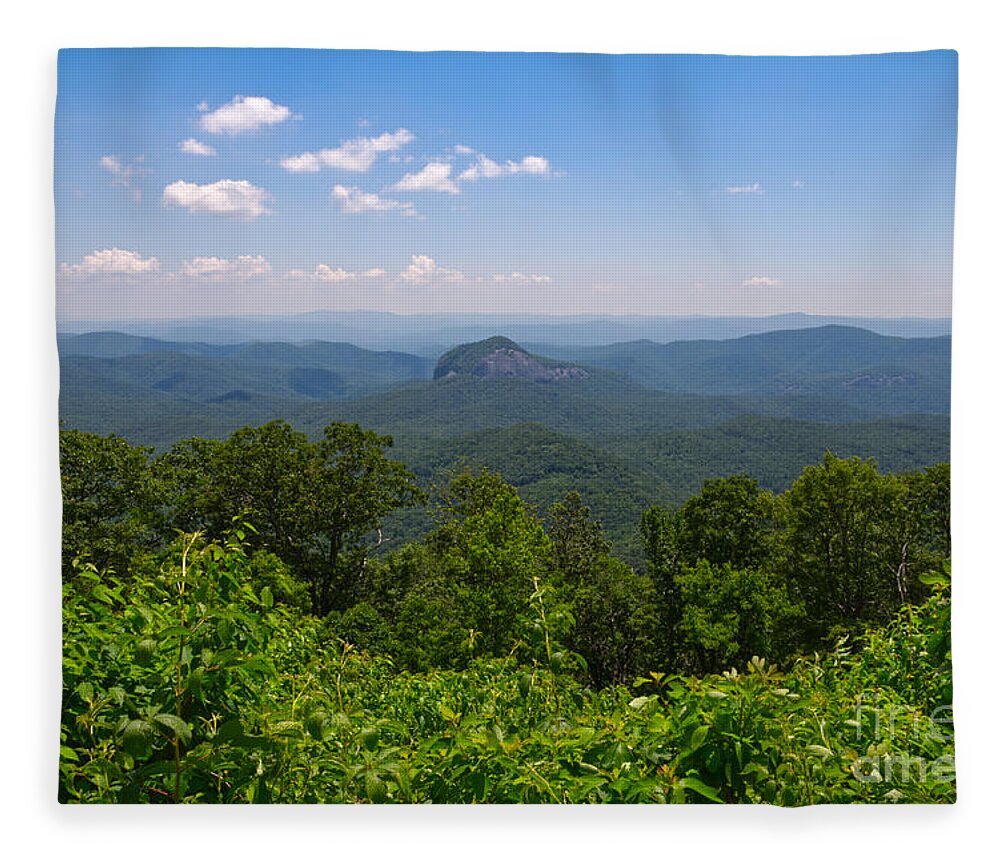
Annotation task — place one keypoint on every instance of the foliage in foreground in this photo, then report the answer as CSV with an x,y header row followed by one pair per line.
x,y
192,685
734,572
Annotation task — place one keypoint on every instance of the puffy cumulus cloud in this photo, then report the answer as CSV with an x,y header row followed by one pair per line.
x,y
216,268
521,278
357,155
195,147
354,201
229,198
111,261
423,270
243,114
462,149
530,164
328,275
486,168
435,176
745,189
760,281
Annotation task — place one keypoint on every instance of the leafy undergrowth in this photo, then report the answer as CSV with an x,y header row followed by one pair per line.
x,y
190,686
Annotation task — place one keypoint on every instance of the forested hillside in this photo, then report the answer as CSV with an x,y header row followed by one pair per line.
x,y
527,578
272,652
113,382
833,360
619,476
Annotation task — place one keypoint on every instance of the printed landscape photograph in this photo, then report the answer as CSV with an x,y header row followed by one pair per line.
x,y
505,428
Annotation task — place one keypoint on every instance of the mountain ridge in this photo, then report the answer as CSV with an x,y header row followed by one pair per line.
x,y
499,357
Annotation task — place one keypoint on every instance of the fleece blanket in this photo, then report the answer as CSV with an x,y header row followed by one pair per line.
x,y
504,428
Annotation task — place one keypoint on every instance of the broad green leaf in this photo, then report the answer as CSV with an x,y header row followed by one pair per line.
x,y
698,738
135,737
180,728
692,783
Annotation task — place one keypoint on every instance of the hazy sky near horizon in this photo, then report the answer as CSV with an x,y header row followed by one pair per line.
x,y
202,182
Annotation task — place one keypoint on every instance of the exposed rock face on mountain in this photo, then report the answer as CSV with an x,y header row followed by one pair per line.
x,y
498,357
878,380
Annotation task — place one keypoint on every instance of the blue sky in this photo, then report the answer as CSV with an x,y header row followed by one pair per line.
x,y
198,182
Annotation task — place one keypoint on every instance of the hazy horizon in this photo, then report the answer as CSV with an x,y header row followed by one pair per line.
x,y
429,334
578,317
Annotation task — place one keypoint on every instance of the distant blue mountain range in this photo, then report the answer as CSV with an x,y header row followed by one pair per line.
x,y
433,334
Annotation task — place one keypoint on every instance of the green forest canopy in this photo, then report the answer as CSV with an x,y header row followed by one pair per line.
x,y
278,575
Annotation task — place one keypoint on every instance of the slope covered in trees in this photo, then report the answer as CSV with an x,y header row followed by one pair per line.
x,y
258,655
837,361
558,584
111,382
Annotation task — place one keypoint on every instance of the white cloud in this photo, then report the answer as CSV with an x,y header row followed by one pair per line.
x,y
357,155
231,198
113,164
423,270
203,107
354,201
195,147
243,114
326,274
113,261
531,164
798,183
745,189
307,162
218,269
122,174
435,176
486,168
520,278
462,149
759,281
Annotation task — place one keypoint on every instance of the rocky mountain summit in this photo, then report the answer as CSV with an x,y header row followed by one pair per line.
x,y
500,358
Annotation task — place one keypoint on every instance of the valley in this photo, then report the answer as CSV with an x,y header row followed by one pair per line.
x,y
627,425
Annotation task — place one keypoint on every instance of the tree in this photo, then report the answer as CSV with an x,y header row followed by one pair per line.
x,y
492,547
729,522
615,618
731,614
356,485
111,503
611,605
659,528
843,540
315,505
436,627
705,558
578,541
927,502
260,474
